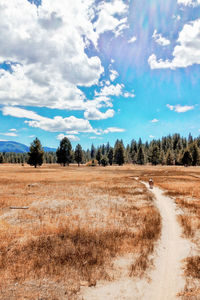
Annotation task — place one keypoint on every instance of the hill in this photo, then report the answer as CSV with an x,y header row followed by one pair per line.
x,y
10,146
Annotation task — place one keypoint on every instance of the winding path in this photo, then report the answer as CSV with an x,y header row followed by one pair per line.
x,y
166,278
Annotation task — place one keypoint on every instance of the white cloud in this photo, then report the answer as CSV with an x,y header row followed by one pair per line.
x,y
95,114
189,2
171,107
186,53
113,129
154,121
9,134
132,40
111,90
107,17
13,129
180,109
113,75
129,95
69,124
159,39
70,137
152,136
95,138
48,45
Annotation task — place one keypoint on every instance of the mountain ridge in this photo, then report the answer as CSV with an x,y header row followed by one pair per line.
x,y
11,146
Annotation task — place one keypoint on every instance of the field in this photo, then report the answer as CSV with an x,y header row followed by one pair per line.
x,y
80,219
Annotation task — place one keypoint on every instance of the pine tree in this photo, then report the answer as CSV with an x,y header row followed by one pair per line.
x,y
64,152
169,158
98,156
119,155
110,156
78,154
187,158
140,156
154,155
162,157
92,152
195,154
35,154
1,158
133,151
104,161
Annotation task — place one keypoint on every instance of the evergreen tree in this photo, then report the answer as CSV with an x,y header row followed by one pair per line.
x,y
190,139
154,155
140,156
35,154
1,158
107,148
187,158
169,158
103,150
133,151
64,152
104,161
162,157
98,156
92,152
110,156
119,155
195,154
78,154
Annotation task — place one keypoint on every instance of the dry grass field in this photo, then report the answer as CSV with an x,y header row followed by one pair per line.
x,y
78,221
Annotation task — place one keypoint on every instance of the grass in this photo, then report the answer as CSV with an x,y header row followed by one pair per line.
x,y
78,220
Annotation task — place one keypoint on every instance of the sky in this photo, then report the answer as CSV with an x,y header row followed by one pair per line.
x,y
96,71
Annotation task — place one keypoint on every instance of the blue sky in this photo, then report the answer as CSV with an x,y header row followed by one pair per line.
x,y
95,71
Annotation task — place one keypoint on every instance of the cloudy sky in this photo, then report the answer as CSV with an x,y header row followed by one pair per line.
x,y
95,71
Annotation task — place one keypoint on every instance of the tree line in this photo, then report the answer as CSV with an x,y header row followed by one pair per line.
x,y
170,150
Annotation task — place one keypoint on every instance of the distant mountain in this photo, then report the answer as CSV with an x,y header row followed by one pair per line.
x,y
9,146
48,149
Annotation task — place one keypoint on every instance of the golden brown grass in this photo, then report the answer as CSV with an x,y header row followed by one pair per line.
x,y
78,220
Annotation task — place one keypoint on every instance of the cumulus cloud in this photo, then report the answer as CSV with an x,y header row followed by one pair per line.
x,y
111,90
113,75
189,2
180,109
154,121
159,39
186,53
129,95
95,114
107,17
132,40
71,137
45,47
56,124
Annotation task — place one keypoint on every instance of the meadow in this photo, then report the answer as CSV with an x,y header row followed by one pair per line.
x,y
79,219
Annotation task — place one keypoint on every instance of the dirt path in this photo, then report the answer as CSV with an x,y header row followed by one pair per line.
x,y
166,278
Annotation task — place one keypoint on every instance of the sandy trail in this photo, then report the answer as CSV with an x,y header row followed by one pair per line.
x,y
166,278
